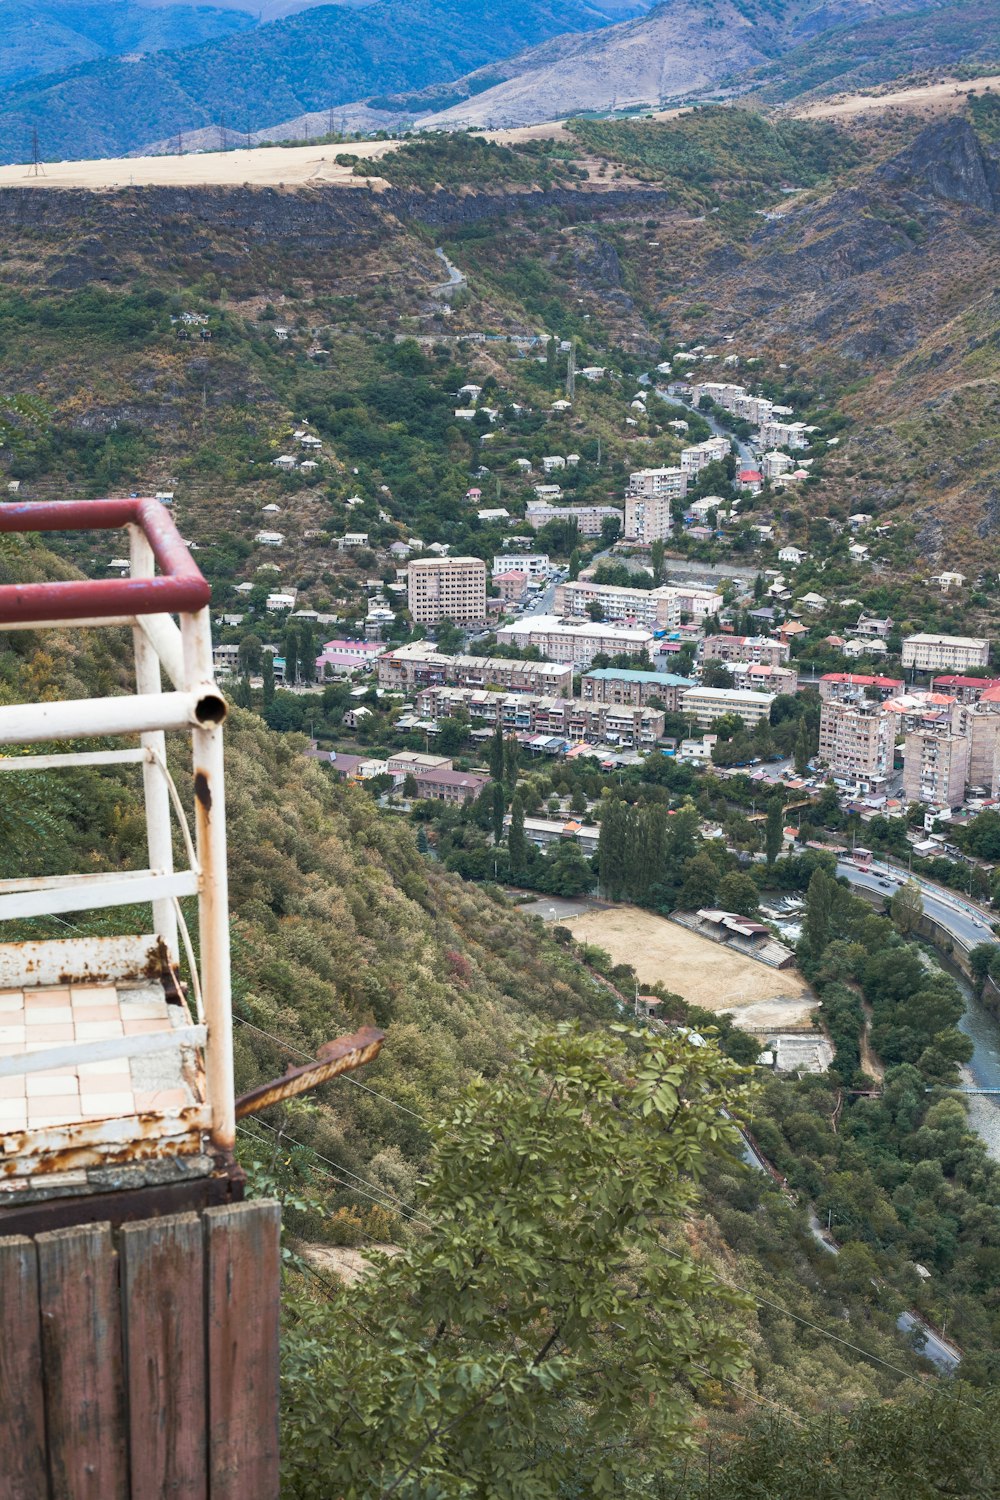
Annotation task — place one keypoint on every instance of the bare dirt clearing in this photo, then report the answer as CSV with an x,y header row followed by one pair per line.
x,y
932,97
262,166
703,972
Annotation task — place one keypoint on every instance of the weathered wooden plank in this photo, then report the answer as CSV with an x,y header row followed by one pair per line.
x,y
243,1282
163,1310
81,1349
23,1473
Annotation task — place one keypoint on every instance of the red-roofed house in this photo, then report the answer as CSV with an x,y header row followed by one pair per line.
x,y
751,480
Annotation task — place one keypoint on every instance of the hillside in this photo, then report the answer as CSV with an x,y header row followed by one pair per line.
x,y
881,294
958,40
314,60
49,36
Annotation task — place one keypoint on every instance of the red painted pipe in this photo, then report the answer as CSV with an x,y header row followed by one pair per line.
x,y
181,586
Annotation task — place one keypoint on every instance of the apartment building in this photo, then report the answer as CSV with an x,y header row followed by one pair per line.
x,y
648,519
945,653
572,719
447,588
763,650
341,658
735,399
420,664
966,689
535,564
707,704
857,740
510,586
936,764
652,484
589,518
575,641
699,455
983,723
761,677
845,685
625,686
777,434
666,607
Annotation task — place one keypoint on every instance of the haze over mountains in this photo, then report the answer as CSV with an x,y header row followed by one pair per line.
x,y
104,78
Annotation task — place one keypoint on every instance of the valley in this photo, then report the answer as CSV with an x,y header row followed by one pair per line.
x,y
603,515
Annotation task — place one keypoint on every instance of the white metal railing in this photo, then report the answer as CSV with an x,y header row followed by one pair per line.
x,y
182,650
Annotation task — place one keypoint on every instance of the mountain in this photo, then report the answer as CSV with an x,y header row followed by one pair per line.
x,y
681,50
48,36
882,295
314,60
866,53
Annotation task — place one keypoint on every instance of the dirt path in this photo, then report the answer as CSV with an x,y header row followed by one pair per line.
x,y
703,972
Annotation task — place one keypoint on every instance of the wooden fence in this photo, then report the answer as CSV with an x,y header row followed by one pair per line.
x,y
142,1365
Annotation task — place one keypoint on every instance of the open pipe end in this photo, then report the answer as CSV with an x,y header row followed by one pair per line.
x,y
210,708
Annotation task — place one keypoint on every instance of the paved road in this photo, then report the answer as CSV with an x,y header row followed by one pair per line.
x,y
962,920
747,458
455,276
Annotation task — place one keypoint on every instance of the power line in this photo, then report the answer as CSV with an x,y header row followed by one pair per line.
x,y
410,1208
346,1077
347,1186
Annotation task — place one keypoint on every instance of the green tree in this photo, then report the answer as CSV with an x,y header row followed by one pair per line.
x,y
291,653
701,883
802,753
738,893
612,848
657,553
716,674
249,658
538,1338
423,844
511,759
774,830
610,530
499,808
907,907
517,843
496,753
817,924
267,670
575,564
410,787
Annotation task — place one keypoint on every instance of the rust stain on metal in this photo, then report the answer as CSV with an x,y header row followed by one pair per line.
x,y
78,1145
202,790
333,1058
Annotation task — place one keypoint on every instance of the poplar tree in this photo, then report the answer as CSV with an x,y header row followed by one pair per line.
x,y
496,753
774,830
517,844
499,808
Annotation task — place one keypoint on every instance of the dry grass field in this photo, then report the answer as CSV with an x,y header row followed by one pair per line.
x,y
702,972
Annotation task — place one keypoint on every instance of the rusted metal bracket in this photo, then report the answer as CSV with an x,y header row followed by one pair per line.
x,y
333,1058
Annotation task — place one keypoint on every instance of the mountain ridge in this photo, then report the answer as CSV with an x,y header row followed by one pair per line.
x,y
314,60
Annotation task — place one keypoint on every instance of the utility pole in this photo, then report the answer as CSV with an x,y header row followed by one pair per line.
x,y
571,371
36,169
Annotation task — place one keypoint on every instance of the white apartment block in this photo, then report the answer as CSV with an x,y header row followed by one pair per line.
x,y
653,483
945,653
447,588
666,607
763,650
575,641
857,741
700,455
648,519
708,704
735,399
589,518
778,434
525,713
616,602
535,564
419,664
